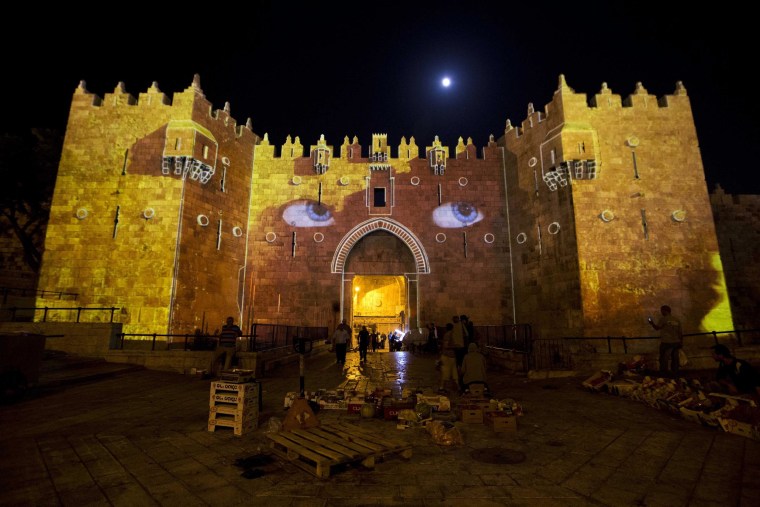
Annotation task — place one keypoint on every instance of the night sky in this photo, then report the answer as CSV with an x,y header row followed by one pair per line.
x,y
306,70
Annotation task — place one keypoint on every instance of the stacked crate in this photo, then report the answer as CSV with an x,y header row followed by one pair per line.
x,y
234,405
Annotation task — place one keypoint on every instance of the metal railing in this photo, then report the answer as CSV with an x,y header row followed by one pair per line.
x,y
18,291
625,340
14,310
262,337
516,338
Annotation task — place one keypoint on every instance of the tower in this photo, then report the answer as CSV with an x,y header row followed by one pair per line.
x,y
150,210
610,216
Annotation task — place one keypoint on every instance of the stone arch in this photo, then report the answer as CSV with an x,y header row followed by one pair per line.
x,y
374,224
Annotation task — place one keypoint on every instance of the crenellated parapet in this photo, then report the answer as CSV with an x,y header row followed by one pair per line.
x,y
182,106
567,106
291,148
408,151
466,151
351,150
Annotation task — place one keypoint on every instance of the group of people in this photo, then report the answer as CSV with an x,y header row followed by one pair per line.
x,y
461,362
734,376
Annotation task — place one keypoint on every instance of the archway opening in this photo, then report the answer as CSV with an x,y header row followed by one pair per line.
x,y
379,302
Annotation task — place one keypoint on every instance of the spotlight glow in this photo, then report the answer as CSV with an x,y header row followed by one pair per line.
x,y
446,82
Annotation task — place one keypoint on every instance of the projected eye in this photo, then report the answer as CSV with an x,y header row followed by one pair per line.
x,y
456,214
307,214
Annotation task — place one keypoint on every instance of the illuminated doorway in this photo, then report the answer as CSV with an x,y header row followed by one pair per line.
x,y
379,302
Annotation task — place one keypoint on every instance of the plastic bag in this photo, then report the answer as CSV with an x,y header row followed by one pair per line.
x,y
274,425
683,359
445,433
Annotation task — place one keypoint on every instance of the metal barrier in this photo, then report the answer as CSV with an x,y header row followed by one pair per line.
x,y
517,337
262,337
624,340
550,354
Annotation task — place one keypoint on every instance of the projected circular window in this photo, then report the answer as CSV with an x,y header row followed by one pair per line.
x,y
415,180
606,215
553,228
202,220
463,181
440,237
82,213
237,231
270,237
678,215
489,238
521,238
319,237
296,180
532,162
148,213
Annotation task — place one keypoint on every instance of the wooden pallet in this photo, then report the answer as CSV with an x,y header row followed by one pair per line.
x,y
319,450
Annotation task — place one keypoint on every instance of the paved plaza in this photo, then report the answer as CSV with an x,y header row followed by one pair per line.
x,y
105,434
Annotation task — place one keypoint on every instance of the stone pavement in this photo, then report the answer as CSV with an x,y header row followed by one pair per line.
x,y
139,437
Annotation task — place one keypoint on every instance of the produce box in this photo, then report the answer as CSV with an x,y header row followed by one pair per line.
x,y
392,407
437,402
598,381
471,414
501,422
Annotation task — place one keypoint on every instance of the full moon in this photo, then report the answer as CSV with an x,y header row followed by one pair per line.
x,y
446,82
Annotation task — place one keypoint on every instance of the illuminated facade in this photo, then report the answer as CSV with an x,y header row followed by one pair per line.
x,y
581,221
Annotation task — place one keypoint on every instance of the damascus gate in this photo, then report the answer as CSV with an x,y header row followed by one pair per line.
x,y
577,220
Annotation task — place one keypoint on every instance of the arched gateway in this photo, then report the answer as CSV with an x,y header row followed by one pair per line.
x,y
375,224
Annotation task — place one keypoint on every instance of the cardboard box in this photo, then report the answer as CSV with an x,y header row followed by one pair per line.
x,y
391,408
501,422
437,402
471,414
355,407
598,381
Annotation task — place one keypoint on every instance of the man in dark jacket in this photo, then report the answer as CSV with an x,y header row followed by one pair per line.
x,y
736,375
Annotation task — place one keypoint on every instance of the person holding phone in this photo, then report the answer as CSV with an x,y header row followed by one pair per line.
x,y
671,339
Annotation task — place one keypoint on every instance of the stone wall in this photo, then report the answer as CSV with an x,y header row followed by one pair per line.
x,y
737,222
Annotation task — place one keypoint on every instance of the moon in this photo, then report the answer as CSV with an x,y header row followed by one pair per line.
x,y
446,82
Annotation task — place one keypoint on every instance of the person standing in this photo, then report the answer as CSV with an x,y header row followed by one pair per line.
x,y
340,339
363,344
227,343
671,339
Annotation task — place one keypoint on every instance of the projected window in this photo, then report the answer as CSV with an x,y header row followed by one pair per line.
x,y
379,197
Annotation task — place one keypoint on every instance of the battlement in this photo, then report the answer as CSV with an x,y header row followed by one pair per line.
x,y
147,102
567,105
351,149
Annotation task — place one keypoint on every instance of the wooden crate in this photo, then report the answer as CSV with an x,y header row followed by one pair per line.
x,y
239,428
234,405
471,414
501,421
223,412
321,450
